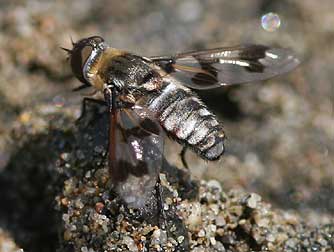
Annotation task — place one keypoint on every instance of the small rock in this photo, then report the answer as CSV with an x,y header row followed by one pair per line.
x,y
253,200
130,243
214,184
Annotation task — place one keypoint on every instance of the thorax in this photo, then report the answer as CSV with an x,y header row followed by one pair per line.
x,y
125,70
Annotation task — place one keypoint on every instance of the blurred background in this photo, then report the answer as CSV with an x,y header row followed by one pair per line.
x,y
279,132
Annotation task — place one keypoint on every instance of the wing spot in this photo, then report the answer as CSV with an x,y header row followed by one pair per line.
x,y
234,62
271,55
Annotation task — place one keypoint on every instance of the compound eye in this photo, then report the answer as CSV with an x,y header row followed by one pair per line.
x,y
97,39
86,51
79,57
81,52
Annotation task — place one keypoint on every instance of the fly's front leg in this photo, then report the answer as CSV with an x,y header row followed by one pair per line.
x,y
183,156
85,101
160,205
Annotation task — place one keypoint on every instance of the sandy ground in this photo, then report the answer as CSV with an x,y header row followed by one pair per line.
x,y
280,133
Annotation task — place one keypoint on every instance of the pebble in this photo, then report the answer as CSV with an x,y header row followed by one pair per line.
x,y
99,207
78,203
84,249
194,217
201,233
180,239
291,243
213,241
130,243
220,221
253,200
214,184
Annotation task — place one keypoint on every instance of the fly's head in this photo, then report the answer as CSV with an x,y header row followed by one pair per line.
x,y
84,59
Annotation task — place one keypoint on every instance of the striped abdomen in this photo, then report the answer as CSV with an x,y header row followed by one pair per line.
x,y
187,119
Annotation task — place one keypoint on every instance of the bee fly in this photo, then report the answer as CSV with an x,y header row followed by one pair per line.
x,y
149,96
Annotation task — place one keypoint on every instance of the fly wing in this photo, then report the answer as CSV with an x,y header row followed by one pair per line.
x,y
227,66
135,154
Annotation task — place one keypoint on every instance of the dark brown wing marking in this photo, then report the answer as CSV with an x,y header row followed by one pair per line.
x,y
135,153
226,66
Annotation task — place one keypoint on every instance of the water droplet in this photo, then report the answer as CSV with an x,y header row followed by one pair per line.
x,y
58,101
270,22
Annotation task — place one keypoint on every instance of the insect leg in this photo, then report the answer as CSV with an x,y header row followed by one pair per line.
x,y
183,157
85,101
160,205
83,86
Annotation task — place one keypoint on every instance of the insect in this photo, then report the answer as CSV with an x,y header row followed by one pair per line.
x,y
148,97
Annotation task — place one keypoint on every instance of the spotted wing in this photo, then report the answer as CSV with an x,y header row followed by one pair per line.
x,y
226,66
135,153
